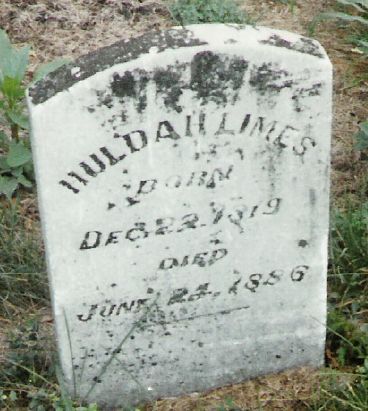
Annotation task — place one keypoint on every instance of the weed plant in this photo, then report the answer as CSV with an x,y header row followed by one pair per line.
x,y
16,168
187,12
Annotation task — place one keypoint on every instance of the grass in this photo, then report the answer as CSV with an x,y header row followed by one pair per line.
x,y
22,269
347,332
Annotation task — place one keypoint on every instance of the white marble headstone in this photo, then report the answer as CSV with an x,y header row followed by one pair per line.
x,y
183,179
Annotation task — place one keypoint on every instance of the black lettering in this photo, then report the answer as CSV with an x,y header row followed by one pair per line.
x,y
279,140
92,312
112,238
189,221
146,186
245,123
94,242
69,186
269,129
139,230
202,291
274,205
218,210
89,170
164,225
133,147
236,217
217,172
254,209
304,146
274,277
217,255
103,311
188,132
185,261
299,272
199,176
234,288
125,306
173,182
140,302
178,296
202,119
199,259
254,282
78,177
169,129
222,127
168,264
113,160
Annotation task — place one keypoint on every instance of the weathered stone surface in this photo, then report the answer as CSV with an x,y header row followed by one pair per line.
x,y
183,181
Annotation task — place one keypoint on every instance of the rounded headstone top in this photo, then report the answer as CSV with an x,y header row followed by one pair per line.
x,y
160,41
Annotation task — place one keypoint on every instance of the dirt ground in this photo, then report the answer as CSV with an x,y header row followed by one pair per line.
x,y
70,28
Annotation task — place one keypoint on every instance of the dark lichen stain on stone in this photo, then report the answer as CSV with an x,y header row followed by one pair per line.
x,y
123,86
312,197
214,75
303,45
269,78
104,99
302,243
131,85
301,93
169,83
98,61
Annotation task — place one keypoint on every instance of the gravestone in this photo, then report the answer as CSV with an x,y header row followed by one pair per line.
x,y
183,180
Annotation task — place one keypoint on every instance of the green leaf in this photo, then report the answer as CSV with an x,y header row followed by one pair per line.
x,y
17,171
8,185
24,181
47,68
13,61
12,88
18,118
18,154
4,167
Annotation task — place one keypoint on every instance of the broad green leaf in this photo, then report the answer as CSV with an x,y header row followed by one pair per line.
x,y
343,16
3,137
8,185
4,166
47,68
20,119
13,61
12,88
24,181
18,154
5,54
17,171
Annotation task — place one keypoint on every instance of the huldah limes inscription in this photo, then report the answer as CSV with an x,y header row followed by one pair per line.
x,y
183,179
